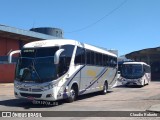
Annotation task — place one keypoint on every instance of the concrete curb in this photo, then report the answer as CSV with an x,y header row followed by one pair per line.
x,y
6,84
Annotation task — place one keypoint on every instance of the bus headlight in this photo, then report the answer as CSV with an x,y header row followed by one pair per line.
x,y
17,85
44,88
47,87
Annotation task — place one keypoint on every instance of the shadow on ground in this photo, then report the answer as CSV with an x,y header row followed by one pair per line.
x,y
130,86
86,96
27,104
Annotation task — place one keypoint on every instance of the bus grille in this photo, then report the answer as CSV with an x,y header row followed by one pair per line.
x,y
31,95
33,90
23,89
37,90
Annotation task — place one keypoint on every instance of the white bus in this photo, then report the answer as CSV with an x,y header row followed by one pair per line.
x,y
135,73
60,68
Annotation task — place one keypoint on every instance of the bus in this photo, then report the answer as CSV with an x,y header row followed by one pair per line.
x,y
62,69
135,73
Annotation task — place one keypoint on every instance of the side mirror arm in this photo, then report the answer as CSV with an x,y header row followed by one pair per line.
x,y
57,55
11,54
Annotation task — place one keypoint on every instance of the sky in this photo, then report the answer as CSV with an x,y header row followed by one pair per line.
x,y
123,25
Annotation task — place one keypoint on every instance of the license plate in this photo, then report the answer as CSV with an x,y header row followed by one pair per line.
x,y
30,98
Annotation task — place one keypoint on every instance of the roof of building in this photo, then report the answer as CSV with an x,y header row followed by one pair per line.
x,y
26,35
144,52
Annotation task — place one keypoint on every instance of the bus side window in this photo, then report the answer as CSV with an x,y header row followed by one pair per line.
x,y
68,53
104,60
62,68
92,58
146,69
65,59
88,56
97,58
100,59
83,55
80,56
115,62
107,61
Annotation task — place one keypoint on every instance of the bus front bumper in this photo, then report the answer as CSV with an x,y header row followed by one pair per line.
x,y
47,95
131,82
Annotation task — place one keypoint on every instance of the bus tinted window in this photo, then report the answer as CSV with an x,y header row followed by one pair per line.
x,y
107,61
80,56
97,58
94,58
65,58
88,56
115,62
146,69
39,52
42,52
100,59
28,52
104,60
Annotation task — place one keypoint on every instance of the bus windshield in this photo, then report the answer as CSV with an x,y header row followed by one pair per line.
x,y
37,65
132,71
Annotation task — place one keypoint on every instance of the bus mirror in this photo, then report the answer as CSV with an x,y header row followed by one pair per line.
x,y
11,54
56,56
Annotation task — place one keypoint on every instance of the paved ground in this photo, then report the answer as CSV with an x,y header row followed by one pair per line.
x,y
119,99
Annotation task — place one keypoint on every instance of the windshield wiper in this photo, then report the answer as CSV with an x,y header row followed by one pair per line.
x,y
33,66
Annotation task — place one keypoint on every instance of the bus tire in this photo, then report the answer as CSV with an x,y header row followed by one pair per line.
x,y
105,88
73,94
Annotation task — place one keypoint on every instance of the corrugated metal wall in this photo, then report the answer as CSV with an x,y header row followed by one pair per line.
x,y
7,44
7,71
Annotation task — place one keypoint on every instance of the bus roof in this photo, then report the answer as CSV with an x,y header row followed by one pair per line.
x,y
142,63
60,42
49,43
97,49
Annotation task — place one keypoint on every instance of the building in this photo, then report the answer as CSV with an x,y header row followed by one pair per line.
x,y
151,56
13,39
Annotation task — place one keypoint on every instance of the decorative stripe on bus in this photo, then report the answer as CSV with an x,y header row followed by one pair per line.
x,y
93,82
75,74
114,78
100,74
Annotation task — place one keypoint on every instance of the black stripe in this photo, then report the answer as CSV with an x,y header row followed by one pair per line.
x,y
75,74
102,74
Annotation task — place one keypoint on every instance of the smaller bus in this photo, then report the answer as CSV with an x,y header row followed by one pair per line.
x,y
136,73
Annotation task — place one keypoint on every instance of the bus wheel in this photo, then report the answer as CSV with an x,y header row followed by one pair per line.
x,y
73,95
105,88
